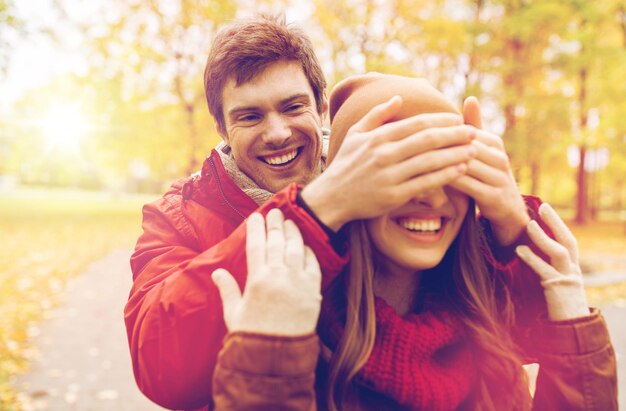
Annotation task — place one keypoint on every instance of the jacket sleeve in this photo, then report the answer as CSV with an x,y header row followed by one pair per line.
x,y
173,316
577,369
260,372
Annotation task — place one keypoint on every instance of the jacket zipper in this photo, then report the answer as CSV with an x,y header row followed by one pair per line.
x,y
219,186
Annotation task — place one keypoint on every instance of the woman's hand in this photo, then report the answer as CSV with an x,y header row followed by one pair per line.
x,y
282,294
489,180
561,278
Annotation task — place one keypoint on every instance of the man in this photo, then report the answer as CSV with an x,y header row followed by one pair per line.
x,y
267,94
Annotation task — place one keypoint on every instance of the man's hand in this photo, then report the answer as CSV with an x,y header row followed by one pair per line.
x,y
490,182
382,165
282,294
561,278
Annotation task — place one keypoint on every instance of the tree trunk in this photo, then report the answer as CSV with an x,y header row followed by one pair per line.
x,y
621,17
513,80
581,178
472,83
581,183
193,139
188,106
534,177
593,191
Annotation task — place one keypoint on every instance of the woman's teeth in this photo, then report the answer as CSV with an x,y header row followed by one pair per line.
x,y
282,159
420,225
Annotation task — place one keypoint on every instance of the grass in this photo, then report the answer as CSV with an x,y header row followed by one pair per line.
x,y
602,246
607,294
47,236
605,238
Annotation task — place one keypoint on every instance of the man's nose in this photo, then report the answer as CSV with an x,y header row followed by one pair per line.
x,y
277,130
433,198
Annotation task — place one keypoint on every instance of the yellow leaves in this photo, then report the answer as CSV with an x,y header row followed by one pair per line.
x,y
606,294
602,246
48,237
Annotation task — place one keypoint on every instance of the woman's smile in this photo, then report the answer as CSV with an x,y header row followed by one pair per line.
x,y
421,228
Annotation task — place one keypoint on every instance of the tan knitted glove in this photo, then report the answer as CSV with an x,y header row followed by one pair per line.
x,y
282,294
561,279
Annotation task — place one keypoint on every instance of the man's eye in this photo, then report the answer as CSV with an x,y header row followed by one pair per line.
x,y
294,107
248,117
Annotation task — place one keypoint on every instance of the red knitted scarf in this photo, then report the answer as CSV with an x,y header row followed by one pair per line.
x,y
421,361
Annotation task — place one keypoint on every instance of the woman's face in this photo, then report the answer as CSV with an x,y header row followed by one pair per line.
x,y
417,235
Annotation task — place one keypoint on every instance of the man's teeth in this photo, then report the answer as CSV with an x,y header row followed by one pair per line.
x,y
420,225
278,160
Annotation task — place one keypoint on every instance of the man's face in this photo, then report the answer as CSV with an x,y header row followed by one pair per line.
x,y
273,126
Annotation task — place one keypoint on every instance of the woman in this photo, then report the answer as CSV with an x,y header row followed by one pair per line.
x,y
417,320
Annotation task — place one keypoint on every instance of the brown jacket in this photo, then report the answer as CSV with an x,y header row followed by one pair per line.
x,y
256,372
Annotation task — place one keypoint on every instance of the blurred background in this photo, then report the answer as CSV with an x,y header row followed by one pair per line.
x,y
102,105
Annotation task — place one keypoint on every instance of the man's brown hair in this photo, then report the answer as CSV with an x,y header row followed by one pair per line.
x,y
246,47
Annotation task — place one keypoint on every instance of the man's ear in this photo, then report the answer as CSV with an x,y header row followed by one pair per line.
x,y
325,106
222,132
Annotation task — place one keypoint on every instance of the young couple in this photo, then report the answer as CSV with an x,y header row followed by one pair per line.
x,y
429,308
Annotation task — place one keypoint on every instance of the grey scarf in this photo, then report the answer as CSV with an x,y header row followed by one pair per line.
x,y
247,185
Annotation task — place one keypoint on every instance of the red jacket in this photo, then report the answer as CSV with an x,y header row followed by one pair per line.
x,y
174,317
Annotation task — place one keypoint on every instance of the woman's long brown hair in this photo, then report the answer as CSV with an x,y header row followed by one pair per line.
x,y
479,300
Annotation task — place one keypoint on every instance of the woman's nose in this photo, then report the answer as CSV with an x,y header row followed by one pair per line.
x,y
433,198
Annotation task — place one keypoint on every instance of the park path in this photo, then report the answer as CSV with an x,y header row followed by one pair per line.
x,y
615,317
84,364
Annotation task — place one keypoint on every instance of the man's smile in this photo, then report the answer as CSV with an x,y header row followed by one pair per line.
x,y
281,159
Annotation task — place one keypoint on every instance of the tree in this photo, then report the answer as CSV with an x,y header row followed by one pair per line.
x,y
536,67
11,28
157,49
599,89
